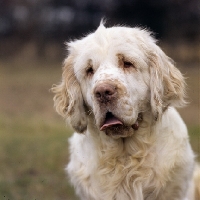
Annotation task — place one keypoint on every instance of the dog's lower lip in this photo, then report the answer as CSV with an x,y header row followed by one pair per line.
x,y
135,126
139,119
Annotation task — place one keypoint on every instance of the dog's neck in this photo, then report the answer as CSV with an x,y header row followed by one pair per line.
x,y
135,144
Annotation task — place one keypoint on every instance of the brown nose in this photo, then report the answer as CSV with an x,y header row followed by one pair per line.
x,y
105,92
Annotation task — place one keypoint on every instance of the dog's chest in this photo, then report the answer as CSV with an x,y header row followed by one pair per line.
x,y
111,172
126,177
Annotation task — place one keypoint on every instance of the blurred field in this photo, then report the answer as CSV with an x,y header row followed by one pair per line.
x,y
33,139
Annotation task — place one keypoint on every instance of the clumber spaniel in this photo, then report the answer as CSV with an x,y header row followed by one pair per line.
x,y
119,90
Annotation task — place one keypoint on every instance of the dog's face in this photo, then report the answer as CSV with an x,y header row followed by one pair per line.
x,y
116,74
114,78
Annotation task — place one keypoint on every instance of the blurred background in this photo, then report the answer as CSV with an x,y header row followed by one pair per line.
x,y
33,138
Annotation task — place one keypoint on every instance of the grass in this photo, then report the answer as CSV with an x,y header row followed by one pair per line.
x,y
33,138
33,155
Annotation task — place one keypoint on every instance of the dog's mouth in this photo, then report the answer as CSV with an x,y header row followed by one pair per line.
x,y
115,127
110,121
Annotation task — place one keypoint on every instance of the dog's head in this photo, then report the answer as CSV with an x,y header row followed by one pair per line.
x,y
116,74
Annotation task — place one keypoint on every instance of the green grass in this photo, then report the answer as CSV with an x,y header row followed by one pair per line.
x,y
33,138
33,154
195,140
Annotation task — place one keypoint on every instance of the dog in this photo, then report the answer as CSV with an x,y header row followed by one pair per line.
x,y
118,92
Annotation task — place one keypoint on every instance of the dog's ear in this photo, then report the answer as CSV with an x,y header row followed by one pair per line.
x,y
167,84
68,100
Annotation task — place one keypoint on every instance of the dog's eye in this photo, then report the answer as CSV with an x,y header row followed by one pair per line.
x,y
89,71
128,64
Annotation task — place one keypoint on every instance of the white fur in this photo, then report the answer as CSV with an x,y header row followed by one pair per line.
x,y
154,162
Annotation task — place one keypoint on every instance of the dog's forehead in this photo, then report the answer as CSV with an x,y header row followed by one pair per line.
x,y
105,44
111,37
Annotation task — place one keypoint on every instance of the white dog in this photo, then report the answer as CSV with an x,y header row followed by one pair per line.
x,y
119,90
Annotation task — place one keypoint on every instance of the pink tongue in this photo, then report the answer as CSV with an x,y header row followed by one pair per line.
x,y
110,121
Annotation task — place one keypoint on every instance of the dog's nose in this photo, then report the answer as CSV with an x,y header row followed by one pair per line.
x,y
105,92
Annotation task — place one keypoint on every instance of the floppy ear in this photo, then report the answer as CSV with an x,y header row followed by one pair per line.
x,y
68,100
167,84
